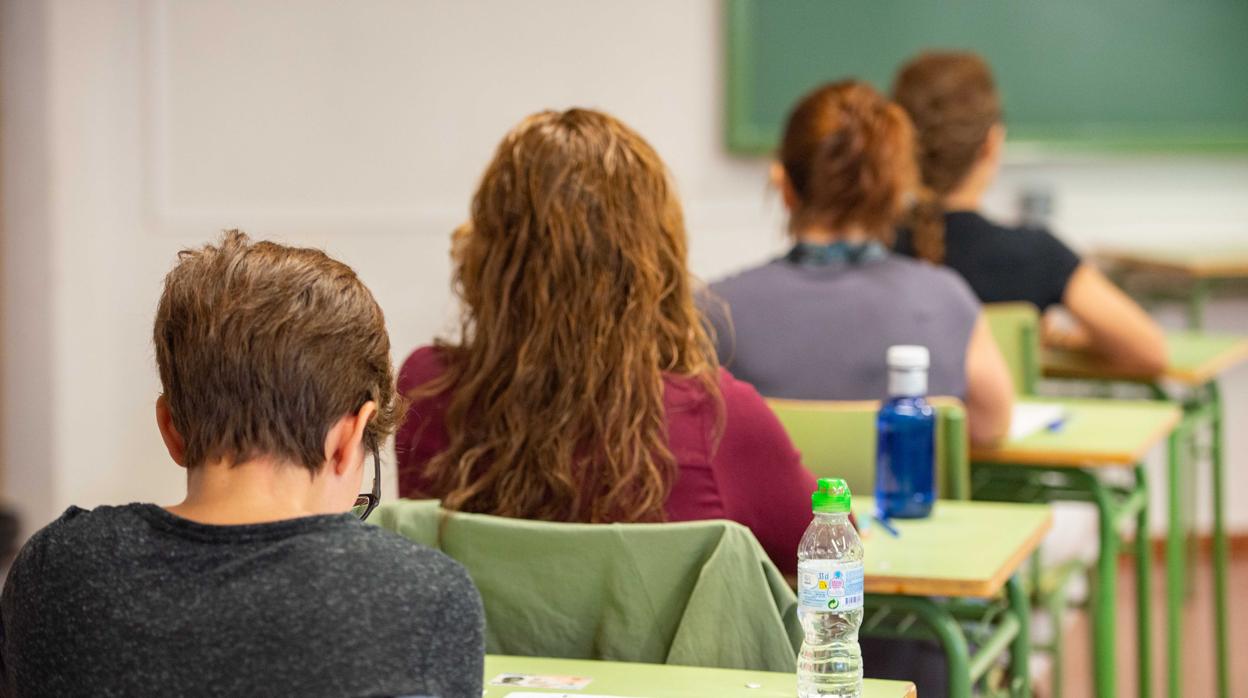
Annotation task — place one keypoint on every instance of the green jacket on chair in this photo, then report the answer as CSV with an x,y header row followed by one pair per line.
x,y
697,593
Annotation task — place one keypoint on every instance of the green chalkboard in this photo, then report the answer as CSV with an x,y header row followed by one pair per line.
x,y
1087,74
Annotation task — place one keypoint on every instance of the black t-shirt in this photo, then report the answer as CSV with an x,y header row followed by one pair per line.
x,y
1004,264
135,601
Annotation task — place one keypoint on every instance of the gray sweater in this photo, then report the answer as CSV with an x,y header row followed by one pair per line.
x,y
822,332
135,601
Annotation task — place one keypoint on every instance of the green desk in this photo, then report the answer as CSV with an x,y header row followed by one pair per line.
x,y
948,571
1062,465
1189,275
1196,360
620,679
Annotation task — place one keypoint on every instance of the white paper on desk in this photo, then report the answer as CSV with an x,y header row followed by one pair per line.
x,y
1031,417
528,694
555,681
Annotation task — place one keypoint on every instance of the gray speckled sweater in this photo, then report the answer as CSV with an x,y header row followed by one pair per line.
x,y
135,601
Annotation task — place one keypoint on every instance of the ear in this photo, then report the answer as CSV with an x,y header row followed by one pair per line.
x,y
780,180
343,450
174,442
994,144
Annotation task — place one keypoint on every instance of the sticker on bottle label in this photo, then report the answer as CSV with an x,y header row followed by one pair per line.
x,y
826,585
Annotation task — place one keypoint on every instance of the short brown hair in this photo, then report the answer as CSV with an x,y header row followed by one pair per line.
x,y
849,155
262,347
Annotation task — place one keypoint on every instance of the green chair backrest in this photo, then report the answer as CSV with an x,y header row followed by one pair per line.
x,y
838,438
1016,327
698,593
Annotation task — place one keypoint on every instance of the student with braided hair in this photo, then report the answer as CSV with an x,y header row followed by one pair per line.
x,y
817,322
953,102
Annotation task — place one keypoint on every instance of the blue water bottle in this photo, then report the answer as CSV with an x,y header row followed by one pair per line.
x,y
905,465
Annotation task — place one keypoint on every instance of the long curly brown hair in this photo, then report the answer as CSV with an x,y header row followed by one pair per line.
x,y
953,102
576,302
848,154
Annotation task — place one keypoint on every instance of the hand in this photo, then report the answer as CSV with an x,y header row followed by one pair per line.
x,y
1063,333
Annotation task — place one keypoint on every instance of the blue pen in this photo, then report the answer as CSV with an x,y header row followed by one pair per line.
x,y
1057,424
884,524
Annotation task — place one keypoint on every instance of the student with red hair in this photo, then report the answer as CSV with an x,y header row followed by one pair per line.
x,y
817,322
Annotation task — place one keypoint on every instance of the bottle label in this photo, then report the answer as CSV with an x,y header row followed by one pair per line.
x,y
827,585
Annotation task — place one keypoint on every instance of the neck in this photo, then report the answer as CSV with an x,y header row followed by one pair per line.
x,y
969,193
826,236
962,200
254,491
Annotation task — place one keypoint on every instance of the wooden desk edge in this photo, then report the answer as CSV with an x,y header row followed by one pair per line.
x,y
1191,377
908,686
979,589
1196,269
1078,459
1210,370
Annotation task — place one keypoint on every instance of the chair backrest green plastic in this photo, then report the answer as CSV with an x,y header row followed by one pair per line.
x,y
838,438
1016,327
700,593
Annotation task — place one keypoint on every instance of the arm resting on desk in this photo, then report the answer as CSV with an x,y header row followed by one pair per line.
x,y
989,390
1117,328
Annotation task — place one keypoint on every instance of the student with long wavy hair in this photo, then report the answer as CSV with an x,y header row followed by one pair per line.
x,y
583,386
817,322
953,101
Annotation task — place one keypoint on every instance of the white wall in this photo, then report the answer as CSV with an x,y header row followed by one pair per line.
x,y
132,128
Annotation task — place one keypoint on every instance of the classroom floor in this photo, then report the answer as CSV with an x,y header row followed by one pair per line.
x,y
1198,645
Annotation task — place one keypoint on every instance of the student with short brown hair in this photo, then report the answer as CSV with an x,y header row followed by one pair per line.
x,y
816,323
277,380
953,101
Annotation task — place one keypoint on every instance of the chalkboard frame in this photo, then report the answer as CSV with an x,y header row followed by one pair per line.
x,y
744,136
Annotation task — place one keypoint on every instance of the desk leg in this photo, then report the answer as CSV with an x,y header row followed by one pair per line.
x,y
1103,631
1175,553
1201,289
1220,609
1020,649
1143,593
942,623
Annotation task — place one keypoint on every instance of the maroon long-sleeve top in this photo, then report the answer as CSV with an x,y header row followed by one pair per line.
x,y
753,476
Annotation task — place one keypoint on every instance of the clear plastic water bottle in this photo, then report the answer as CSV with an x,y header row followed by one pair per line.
x,y
905,465
829,588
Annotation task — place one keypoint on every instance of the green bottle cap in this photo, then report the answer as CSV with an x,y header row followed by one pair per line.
x,y
831,496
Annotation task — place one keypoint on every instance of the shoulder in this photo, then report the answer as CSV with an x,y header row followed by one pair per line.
x,y
1038,247
394,554
77,525
421,366
422,579
400,571
1045,242
742,401
72,544
1021,239
747,280
407,564
739,398
940,282
920,271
